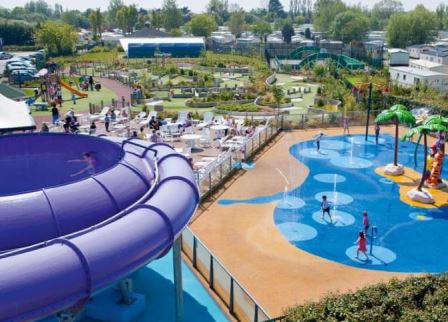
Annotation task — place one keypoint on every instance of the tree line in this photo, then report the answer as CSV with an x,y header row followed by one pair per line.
x,y
334,18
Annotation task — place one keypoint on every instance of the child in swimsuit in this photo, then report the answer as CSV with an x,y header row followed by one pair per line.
x,y
89,160
361,241
325,206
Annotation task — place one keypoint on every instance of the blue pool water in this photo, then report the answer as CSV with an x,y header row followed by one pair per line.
x,y
155,281
409,239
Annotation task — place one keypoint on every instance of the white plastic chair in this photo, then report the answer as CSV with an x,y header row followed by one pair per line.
x,y
208,118
205,141
165,132
219,119
182,117
173,129
101,115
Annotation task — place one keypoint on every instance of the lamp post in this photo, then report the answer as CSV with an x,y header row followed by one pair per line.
x,y
369,102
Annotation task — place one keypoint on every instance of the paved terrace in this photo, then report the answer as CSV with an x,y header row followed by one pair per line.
x,y
245,239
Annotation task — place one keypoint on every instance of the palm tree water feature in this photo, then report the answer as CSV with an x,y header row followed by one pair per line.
x,y
431,176
353,188
399,115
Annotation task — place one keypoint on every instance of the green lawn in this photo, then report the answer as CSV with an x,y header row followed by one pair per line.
x,y
82,104
300,107
138,108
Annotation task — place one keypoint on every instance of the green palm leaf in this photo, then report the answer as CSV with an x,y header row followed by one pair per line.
x,y
436,119
424,128
397,111
410,133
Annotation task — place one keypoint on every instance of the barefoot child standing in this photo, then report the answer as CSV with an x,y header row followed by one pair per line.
x,y
361,241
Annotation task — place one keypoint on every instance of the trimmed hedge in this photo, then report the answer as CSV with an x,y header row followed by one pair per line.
x,y
412,299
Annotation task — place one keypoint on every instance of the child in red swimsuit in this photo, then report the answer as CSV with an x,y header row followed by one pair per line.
x,y
361,241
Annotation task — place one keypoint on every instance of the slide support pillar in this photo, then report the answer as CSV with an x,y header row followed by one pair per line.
x,y
178,289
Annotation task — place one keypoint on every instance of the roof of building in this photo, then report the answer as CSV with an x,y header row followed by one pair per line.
x,y
438,51
148,32
417,46
417,72
172,40
424,63
397,50
11,92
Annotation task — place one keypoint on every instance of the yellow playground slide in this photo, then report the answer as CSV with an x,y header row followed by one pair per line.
x,y
71,89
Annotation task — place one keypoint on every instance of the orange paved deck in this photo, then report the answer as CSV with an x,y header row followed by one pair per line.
x,y
245,238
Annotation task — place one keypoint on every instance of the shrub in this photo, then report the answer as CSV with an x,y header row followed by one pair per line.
x,y
411,299
240,108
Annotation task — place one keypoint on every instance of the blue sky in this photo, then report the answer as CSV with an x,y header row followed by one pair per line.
x,y
198,5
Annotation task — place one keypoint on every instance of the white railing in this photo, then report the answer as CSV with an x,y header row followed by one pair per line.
x,y
217,171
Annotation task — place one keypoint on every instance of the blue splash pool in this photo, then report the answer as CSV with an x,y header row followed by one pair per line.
x,y
409,239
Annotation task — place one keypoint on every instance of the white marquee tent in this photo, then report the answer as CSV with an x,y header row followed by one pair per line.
x,y
15,116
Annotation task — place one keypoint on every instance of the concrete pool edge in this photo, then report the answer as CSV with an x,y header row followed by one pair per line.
x,y
290,275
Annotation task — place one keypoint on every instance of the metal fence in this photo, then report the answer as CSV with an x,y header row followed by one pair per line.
x,y
316,118
226,163
235,297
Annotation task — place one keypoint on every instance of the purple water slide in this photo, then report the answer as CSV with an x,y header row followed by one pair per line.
x,y
66,236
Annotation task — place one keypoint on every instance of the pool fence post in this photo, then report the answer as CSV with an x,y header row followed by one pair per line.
x,y
178,280
212,277
231,299
372,237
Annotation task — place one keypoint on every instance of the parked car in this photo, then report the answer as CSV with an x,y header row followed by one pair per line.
x,y
5,55
17,62
21,76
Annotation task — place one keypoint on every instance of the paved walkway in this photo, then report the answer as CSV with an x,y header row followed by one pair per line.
x,y
116,87
245,239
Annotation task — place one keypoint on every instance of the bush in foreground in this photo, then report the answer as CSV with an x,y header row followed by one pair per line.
x,y
413,299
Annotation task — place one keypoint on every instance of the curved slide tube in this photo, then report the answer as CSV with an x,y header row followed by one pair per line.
x,y
72,90
46,278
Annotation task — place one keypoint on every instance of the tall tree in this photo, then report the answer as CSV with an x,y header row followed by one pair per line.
x,y
236,22
112,9
415,27
423,25
126,18
276,9
382,11
219,8
96,20
441,13
349,26
398,29
58,10
156,18
75,19
172,16
261,28
287,33
324,13
202,25
57,38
